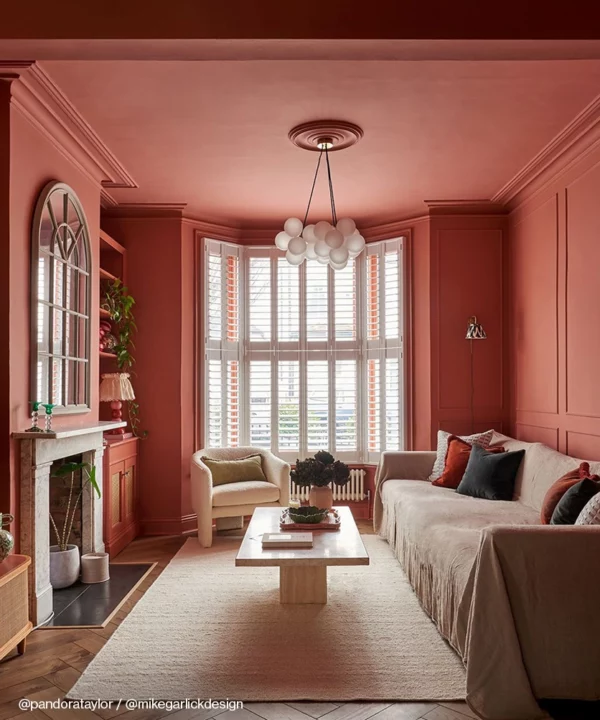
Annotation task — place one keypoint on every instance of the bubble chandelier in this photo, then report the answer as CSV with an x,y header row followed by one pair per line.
x,y
330,243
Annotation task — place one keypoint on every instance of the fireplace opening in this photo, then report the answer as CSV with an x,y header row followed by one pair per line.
x,y
66,504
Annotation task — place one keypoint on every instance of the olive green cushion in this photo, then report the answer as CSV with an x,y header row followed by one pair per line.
x,y
232,471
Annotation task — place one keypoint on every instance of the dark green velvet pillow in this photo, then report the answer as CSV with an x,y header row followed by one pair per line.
x,y
232,471
490,476
573,502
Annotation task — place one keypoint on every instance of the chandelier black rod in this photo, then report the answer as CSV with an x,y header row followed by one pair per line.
x,y
312,190
331,196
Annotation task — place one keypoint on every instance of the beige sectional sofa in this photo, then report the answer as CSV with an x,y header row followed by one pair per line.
x,y
519,601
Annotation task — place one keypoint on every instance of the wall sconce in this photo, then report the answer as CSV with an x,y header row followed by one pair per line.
x,y
475,331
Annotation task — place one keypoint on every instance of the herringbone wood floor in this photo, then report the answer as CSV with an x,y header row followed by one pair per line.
x,y
56,658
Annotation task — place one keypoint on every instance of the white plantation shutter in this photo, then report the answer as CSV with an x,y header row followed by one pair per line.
x,y
317,405
259,288
288,301
289,405
222,330
260,403
345,302
345,406
215,403
392,294
304,358
317,301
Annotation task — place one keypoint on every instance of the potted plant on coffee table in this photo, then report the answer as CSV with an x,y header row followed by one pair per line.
x,y
64,558
320,473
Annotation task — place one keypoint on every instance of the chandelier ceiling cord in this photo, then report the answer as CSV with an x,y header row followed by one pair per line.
x,y
330,243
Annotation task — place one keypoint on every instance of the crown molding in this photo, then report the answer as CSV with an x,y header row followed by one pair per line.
x,y
391,230
142,211
214,231
580,137
106,199
465,207
37,97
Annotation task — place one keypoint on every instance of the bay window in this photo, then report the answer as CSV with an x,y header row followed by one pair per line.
x,y
300,359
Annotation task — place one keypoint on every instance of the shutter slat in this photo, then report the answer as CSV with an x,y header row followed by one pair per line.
x,y
392,296
373,406
215,297
215,407
372,313
392,404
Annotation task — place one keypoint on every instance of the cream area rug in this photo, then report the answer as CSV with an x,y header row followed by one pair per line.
x,y
206,629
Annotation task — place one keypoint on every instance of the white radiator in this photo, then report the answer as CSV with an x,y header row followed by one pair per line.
x,y
352,491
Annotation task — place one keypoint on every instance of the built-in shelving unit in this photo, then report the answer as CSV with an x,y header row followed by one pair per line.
x,y
112,267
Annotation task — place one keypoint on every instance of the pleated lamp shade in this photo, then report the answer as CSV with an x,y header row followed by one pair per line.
x,y
475,330
116,386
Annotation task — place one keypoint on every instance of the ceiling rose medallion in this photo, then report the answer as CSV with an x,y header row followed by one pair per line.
x,y
330,243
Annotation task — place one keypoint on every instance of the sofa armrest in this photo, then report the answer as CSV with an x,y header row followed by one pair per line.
x,y
405,465
399,465
201,481
533,619
277,472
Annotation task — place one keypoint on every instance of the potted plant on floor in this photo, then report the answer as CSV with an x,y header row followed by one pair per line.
x,y
64,558
319,473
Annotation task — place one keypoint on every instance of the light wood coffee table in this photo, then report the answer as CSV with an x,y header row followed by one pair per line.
x,y
302,571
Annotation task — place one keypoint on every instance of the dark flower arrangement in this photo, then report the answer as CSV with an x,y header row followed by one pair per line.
x,y
322,470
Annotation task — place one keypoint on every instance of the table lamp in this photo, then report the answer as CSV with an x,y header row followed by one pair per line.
x,y
115,388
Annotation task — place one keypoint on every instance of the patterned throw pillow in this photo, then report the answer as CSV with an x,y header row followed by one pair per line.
x,y
590,515
481,439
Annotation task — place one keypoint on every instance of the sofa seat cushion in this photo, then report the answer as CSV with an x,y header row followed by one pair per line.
x,y
251,492
435,533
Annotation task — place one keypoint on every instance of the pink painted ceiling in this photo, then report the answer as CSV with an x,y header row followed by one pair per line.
x,y
213,134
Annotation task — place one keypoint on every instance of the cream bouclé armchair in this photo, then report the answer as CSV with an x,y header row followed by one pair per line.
x,y
229,503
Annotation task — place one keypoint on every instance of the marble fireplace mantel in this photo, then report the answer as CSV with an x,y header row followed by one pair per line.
x,y
38,452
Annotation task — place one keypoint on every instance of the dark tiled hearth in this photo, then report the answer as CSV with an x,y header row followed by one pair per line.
x,y
91,605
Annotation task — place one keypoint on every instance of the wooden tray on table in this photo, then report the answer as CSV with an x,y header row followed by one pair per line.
x,y
331,522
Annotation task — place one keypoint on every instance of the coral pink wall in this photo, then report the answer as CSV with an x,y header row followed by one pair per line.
x,y
554,254
467,268
34,161
160,276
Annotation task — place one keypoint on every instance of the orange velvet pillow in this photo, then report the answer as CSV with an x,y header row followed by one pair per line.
x,y
457,457
560,487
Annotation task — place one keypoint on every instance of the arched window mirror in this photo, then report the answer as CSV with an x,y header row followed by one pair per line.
x,y
60,322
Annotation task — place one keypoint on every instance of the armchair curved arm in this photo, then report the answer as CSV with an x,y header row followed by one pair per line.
x,y
201,486
277,472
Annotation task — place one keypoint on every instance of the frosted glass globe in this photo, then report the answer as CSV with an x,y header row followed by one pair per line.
x,y
321,229
309,234
293,227
346,226
322,248
282,240
338,255
297,246
294,259
323,260
334,239
310,252
355,243
339,266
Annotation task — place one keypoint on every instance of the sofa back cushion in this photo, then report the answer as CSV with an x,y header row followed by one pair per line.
x,y
541,468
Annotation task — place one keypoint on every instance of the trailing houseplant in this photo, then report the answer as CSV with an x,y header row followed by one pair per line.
x,y
319,473
119,304
64,557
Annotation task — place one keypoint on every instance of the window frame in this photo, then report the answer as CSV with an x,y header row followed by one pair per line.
x,y
85,300
331,350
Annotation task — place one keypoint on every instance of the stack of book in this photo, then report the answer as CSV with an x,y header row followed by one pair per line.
x,y
287,540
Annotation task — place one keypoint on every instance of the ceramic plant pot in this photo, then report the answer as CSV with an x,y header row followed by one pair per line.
x,y
7,542
321,497
64,566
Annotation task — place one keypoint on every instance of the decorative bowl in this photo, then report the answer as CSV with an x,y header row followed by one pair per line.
x,y
308,514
